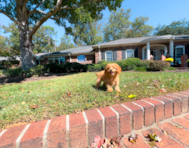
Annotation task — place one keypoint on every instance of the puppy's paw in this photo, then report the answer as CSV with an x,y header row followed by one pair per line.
x,y
118,90
110,89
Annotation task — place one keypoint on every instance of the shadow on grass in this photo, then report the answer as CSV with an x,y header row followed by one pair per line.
x,y
45,76
101,88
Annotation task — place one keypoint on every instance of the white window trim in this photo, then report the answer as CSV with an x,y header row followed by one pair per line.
x,y
129,50
81,62
55,58
109,51
181,46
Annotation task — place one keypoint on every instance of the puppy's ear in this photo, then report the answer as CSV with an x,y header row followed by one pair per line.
x,y
107,67
118,69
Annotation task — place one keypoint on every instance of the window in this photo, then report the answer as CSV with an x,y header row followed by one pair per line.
x,y
129,53
81,58
109,56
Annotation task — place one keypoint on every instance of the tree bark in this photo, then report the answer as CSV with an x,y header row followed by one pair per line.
x,y
26,46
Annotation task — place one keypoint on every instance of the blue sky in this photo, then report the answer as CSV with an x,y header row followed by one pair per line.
x,y
158,11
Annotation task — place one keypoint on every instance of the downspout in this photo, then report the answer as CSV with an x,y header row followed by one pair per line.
x,y
99,53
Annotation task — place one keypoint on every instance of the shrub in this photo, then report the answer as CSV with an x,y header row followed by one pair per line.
x,y
129,64
188,62
94,67
13,72
145,63
158,65
37,70
140,69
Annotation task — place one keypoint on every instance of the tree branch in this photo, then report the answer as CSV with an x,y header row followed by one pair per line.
x,y
14,20
45,17
66,7
35,9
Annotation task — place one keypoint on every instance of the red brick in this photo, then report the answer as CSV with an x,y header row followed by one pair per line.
x,y
56,135
124,119
34,135
187,116
78,136
176,104
159,109
166,141
111,127
8,139
141,143
137,115
182,121
95,124
168,107
148,112
184,101
179,134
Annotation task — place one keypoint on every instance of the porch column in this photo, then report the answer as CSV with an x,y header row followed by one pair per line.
x,y
148,51
70,57
53,60
39,62
99,53
171,46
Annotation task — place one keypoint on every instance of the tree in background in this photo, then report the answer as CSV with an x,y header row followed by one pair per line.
x,y
139,28
4,50
117,25
50,33
34,13
89,33
13,39
40,39
65,43
175,28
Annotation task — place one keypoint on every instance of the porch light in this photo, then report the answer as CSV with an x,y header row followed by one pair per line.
x,y
162,51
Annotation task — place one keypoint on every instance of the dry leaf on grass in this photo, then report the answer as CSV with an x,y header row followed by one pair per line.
x,y
69,94
33,106
163,90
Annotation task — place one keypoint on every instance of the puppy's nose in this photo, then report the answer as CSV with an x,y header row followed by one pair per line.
x,y
110,70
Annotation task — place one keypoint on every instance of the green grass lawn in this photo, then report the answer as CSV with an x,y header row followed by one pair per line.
x,y
53,99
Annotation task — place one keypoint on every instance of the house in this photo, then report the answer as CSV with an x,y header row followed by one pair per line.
x,y
14,60
173,46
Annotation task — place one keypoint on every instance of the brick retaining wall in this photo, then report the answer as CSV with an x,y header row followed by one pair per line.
x,y
79,129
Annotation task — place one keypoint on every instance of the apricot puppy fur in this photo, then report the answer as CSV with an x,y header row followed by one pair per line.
x,y
110,77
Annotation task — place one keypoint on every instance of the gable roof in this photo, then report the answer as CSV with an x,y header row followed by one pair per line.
x,y
141,40
75,50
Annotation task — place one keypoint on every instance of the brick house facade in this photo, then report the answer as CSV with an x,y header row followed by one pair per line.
x,y
142,48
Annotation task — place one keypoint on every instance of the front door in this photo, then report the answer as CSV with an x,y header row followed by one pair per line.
x,y
179,51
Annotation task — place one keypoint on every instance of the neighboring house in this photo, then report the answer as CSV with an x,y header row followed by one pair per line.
x,y
2,59
140,47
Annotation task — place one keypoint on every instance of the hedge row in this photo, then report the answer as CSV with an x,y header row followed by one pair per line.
x,y
127,64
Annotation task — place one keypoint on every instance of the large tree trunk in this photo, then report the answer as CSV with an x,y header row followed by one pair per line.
x,y
26,46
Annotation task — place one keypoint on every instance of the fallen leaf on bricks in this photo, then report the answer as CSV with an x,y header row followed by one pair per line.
x,y
152,144
154,137
178,126
165,133
133,138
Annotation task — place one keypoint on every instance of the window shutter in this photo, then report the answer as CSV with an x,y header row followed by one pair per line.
x,y
103,55
136,53
123,54
115,55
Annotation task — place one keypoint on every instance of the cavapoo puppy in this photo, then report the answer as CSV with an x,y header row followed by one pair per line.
x,y
110,77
